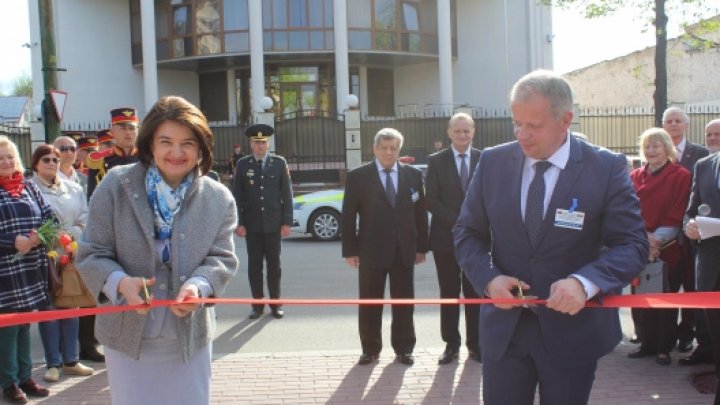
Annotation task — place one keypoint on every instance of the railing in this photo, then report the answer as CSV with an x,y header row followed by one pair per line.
x,y
21,138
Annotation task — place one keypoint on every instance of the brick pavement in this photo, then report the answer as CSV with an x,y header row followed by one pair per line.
x,y
333,378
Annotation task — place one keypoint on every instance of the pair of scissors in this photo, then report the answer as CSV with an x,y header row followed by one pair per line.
x,y
146,292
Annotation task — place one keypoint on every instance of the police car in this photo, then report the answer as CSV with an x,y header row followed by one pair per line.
x,y
318,213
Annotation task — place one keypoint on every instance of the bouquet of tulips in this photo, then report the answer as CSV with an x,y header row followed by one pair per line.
x,y
60,245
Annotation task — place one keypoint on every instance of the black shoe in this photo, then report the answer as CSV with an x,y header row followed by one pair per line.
x,y
685,346
14,394
639,353
255,313
635,339
663,359
475,356
33,389
278,313
695,359
367,359
92,355
405,358
448,356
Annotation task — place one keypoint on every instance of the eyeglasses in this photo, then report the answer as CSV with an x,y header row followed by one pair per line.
x,y
67,149
48,160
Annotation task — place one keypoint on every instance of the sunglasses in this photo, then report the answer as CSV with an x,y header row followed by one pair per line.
x,y
48,160
67,149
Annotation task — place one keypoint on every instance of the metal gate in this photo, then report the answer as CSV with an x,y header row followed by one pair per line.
x,y
313,143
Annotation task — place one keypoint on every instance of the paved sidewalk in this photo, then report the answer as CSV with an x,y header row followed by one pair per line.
x,y
333,378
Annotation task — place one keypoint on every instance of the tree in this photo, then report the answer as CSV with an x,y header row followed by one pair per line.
x,y
655,14
22,86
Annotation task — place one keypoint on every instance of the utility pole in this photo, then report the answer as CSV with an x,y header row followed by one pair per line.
x,y
49,69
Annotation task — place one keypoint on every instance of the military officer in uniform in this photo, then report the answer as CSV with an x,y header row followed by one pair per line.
x,y
105,139
124,128
263,193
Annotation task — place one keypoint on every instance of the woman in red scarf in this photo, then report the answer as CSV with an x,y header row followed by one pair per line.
x,y
23,272
663,188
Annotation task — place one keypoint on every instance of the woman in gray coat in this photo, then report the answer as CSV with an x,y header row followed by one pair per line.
x,y
160,223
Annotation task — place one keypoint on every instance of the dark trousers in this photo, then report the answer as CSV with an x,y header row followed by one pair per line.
x,y
686,326
86,334
15,361
514,378
372,285
263,246
659,326
713,323
452,281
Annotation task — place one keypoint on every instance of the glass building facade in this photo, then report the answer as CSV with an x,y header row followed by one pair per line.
x,y
298,45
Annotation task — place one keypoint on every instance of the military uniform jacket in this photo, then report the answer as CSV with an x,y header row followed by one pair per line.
x,y
116,159
263,196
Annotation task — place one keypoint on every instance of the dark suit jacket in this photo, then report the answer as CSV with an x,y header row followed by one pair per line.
x,y
705,191
445,196
264,200
382,228
692,153
611,248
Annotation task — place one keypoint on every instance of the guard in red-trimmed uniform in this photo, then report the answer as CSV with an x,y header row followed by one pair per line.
x,y
124,129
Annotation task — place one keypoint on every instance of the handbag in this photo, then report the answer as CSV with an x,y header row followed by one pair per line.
x,y
54,279
652,279
73,292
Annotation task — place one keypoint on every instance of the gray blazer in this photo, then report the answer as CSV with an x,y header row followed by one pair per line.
x,y
120,237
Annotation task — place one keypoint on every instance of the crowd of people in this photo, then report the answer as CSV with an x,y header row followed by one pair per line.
x,y
549,215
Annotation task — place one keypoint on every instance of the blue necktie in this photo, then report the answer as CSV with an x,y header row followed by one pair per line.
x,y
535,204
389,187
464,173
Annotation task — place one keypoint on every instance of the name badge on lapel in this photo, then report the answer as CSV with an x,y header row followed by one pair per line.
x,y
570,218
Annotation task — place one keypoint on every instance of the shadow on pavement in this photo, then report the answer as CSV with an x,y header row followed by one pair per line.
x,y
234,338
353,385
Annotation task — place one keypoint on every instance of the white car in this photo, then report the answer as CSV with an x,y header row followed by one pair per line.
x,y
318,213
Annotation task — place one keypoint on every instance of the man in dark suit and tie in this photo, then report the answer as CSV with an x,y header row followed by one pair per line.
x,y
384,234
706,191
449,173
557,218
676,122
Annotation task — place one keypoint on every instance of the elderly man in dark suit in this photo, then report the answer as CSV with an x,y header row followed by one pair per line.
x,y
263,193
705,192
557,218
449,173
676,122
384,234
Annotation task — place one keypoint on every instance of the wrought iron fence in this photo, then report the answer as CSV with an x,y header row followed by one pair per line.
x,y
20,136
422,131
311,140
619,128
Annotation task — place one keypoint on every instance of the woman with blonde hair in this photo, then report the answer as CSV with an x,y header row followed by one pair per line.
x,y
23,272
663,188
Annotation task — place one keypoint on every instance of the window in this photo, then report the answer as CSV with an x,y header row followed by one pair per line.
x,y
393,25
297,25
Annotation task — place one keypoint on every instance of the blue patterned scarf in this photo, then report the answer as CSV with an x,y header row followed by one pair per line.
x,y
165,203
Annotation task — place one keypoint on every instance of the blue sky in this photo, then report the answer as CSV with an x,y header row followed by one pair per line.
x,y
578,42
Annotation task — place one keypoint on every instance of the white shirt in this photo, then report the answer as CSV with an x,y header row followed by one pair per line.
x,y
680,148
458,159
558,162
383,176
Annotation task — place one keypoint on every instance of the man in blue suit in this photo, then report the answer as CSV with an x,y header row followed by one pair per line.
x,y
557,218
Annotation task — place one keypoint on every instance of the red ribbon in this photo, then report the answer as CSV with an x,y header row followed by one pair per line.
x,y
697,300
